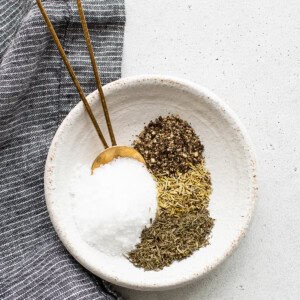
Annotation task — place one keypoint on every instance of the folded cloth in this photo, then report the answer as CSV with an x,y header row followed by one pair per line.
x,y
36,93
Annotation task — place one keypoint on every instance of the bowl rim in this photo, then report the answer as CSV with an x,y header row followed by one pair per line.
x,y
229,113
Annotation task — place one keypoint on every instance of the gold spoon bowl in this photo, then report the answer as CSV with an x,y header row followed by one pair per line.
x,y
114,152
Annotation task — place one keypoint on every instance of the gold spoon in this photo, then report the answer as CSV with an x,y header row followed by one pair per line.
x,y
109,153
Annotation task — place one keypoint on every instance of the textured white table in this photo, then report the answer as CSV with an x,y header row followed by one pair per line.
x,y
248,53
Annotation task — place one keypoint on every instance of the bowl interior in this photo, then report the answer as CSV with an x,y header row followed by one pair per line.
x,y
133,102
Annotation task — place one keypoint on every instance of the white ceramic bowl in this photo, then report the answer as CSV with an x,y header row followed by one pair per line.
x,y
133,102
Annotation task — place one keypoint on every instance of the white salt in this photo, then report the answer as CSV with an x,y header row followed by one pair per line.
x,y
113,206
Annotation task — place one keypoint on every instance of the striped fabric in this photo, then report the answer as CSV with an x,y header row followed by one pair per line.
x,y
36,93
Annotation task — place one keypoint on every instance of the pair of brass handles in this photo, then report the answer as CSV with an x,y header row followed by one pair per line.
x,y
73,76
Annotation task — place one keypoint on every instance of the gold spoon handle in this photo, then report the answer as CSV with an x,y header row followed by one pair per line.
x,y
96,73
71,72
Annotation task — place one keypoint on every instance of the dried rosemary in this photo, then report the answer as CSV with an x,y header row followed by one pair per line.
x,y
186,192
168,145
183,223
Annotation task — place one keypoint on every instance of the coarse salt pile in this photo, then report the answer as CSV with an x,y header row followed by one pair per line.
x,y
113,206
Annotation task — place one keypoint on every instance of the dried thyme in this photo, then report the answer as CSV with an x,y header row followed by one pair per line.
x,y
171,238
168,145
183,223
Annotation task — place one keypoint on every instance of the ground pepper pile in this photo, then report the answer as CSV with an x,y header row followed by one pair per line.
x,y
183,223
168,145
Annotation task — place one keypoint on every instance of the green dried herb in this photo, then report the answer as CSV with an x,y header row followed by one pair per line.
x,y
171,238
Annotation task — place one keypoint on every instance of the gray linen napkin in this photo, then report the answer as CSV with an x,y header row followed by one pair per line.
x,y
36,93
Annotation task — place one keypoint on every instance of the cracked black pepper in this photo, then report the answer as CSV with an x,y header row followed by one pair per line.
x,y
168,145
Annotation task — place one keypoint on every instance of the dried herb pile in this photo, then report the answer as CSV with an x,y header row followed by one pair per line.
x,y
183,223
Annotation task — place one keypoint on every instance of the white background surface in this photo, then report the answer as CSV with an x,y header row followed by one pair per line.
x,y
248,53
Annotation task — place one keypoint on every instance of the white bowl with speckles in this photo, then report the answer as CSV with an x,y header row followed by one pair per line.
x,y
229,157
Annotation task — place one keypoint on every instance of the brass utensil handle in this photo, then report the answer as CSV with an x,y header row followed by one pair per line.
x,y
96,73
71,72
